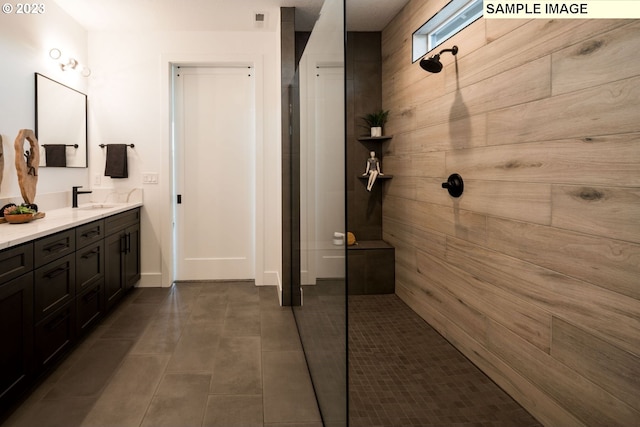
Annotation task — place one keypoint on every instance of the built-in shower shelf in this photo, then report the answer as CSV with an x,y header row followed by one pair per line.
x,y
375,138
378,177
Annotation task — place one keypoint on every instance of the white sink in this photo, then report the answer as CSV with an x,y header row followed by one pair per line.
x,y
92,206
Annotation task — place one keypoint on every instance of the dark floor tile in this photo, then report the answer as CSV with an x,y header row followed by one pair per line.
x,y
279,331
288,395
234,411
162,334
130,391
269,299
243,293
149,295
91,372
65,412
242,319
403,373
196,349
238,367
180,401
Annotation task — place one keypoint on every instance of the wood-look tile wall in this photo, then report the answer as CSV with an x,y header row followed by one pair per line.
x,y
534,273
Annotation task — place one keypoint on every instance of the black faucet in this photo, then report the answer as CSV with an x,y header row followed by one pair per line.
x,y
75,193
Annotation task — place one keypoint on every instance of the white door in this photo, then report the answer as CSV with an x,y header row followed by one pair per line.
x,y
215,161
322,171
330,182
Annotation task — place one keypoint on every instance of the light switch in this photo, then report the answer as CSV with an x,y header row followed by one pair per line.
x,y
150,178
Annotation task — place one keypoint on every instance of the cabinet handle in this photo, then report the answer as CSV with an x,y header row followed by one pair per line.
x,y
123,243
55,247
58,321
58,271
90,254
128,242
89,234
91,295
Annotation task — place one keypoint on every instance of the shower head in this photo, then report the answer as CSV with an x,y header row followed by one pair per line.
x,y
433,64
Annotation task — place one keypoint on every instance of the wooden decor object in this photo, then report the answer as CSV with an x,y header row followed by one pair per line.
x,y
27,164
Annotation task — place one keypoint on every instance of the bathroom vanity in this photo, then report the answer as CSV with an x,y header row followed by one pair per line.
x,y
58,277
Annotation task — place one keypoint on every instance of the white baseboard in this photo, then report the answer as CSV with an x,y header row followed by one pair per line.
x,y
150,280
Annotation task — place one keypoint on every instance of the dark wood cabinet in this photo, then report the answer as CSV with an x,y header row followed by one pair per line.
x,y
16,342
122,254
55,289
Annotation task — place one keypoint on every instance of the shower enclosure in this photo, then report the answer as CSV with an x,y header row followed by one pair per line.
x,y
318,291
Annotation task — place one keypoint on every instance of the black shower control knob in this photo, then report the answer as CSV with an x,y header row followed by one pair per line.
x,y
454,185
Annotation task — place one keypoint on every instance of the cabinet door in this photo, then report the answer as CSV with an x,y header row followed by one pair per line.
x,y
89,265
54,336
89,307
16,337
115,245
132,256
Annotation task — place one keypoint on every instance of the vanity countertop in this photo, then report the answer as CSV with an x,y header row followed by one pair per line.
x,y
59,220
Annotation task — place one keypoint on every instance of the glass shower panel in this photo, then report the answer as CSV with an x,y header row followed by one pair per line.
x,y
321,317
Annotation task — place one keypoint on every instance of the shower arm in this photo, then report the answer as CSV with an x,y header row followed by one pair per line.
x,y
453,50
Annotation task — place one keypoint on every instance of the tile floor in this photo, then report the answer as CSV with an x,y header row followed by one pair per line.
x,y
404,373
197,354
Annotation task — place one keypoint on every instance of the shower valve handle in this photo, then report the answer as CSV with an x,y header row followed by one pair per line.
x,y
454,185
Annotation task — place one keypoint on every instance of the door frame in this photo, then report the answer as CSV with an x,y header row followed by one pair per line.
x,y
167,188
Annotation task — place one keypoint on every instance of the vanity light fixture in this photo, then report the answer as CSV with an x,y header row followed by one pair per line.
x,y
55,53
433,64
70,64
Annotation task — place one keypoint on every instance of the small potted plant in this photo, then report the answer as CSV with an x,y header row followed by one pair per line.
x,y
376,121
18,214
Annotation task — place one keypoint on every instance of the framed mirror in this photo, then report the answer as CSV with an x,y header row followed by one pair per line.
x,y
61,124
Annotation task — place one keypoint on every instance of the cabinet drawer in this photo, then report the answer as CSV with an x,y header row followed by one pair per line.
x,y
119,222
89,307
89,265
53,247
54,335
54,286
89,233
15,261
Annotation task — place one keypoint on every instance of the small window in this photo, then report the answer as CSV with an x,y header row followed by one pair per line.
x,y
450,20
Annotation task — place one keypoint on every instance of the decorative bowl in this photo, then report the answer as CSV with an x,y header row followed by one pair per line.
x,y
18,218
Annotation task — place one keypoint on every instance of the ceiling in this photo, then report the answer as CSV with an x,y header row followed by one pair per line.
x,y
218,15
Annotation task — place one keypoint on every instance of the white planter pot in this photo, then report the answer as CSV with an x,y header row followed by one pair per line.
x,y
376,131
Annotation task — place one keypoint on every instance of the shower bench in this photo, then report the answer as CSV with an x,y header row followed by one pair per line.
x,y
371,268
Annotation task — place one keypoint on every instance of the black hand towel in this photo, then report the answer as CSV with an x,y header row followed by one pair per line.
x,y
116,165
56,155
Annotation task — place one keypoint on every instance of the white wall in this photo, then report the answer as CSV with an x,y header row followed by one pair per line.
x,y
25,41
130,102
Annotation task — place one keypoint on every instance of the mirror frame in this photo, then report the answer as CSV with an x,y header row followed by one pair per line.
x,y
44,105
